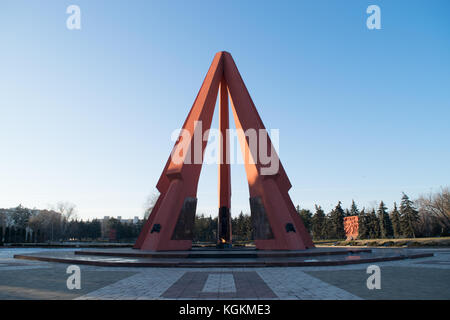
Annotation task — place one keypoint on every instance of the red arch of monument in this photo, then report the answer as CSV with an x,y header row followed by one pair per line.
x,y
276,223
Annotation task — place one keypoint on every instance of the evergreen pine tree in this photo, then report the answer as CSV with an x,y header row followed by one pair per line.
x,y
327,229
1,236
408,217
354,211
337,222
7,235
241,230
347,213
318,224
363,228
385,222
306,216
374,225
396,224
13,235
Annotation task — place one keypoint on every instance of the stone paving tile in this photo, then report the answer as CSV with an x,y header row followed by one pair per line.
x,y
150,284
36,280
397,282
194,284
50,282
282,283
288,284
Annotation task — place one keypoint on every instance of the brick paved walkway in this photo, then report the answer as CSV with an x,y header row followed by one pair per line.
x,y
425,278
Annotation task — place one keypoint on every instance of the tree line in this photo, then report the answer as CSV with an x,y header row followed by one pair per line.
x,y
59,224
72,230
428,216
205,228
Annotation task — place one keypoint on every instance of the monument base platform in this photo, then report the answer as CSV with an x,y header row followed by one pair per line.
x,y
208,258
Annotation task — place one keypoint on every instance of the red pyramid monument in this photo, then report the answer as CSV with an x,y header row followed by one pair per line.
x,y
275,221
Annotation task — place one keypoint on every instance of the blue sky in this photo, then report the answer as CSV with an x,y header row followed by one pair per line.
x,y
86,115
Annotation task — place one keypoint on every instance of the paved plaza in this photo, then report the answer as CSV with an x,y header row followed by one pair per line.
x,y
424,278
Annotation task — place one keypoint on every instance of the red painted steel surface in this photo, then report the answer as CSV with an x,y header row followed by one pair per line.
x,y
180,180
224,156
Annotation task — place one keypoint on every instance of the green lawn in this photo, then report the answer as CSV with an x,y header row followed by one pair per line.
x,y
410,242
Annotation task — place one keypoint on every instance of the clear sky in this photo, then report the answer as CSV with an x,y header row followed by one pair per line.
x,y
86,115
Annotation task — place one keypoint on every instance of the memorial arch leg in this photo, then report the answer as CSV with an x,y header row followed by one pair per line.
x,y
276,224
170,224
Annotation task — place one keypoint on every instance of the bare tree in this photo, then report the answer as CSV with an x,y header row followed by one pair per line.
x,y
48,222
67,210
435,206
150,203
